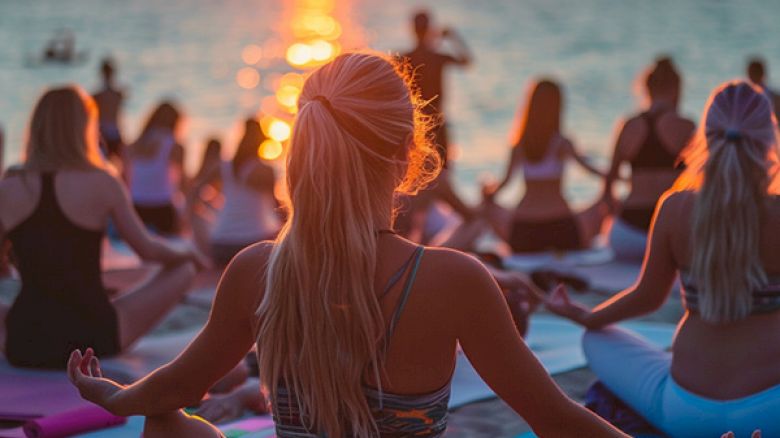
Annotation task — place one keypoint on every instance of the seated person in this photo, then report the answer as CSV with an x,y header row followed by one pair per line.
x,y
356,328
155,169
543,220
54,209
719,232
248,214
651,143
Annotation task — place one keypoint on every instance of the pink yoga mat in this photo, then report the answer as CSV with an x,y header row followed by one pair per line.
x,y
84,419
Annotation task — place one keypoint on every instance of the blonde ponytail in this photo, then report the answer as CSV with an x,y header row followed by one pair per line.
x,y
732,168
320,323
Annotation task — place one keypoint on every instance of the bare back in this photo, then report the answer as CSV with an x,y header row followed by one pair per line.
x,y
109,102
725,361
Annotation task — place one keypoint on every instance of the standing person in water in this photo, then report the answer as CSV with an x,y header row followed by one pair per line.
x,y
356,328
54,209
429,66
718,232
249,212
109,102
155,165
651,143
543,220
756,73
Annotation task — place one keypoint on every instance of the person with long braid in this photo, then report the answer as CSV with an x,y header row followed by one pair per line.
x,y
717,229
356,328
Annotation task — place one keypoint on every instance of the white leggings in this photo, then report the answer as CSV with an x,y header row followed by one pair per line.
x,y
639,374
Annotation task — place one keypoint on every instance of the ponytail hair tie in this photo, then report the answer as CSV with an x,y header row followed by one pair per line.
x,y
733,134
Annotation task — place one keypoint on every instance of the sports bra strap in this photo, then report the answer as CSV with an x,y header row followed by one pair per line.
x,y
416,257
398,275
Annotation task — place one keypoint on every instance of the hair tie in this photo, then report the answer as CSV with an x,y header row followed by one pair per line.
x,y
324,100
367,139
733,134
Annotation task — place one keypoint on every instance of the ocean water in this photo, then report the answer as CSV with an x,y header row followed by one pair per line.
x,y
191,50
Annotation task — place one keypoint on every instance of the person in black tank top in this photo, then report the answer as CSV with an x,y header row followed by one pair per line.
x,y
652,154
54,208
62,305
650,142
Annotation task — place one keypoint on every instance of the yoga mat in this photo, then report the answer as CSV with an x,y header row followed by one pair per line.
x,y
587,257
30,394
250,427
82,419
556,343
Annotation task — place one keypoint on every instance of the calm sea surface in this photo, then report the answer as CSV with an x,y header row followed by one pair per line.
x,y
191,50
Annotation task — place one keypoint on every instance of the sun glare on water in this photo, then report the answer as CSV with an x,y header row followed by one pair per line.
x,y
311,35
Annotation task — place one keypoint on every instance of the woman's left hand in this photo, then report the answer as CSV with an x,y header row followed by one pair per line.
x,y
559,303
85,374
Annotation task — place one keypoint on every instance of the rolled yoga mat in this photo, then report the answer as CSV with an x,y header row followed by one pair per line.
x,y
83,419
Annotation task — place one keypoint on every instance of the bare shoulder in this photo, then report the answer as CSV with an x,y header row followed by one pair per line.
x,y
455,271
252,257
674,209
245,274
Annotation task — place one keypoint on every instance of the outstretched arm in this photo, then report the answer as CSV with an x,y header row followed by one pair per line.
x,y
132,230
572,151
185,380
648,294
627,140
494,347
514,156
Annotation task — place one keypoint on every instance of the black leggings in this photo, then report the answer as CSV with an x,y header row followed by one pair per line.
x,y
162,219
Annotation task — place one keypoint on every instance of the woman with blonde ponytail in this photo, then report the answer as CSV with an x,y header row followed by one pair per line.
x,y
717,228
356,328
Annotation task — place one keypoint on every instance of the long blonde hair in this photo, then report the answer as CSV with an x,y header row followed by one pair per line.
x,y
320,322
732,163
63,132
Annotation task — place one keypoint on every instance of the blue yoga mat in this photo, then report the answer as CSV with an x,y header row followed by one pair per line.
x,y
556,343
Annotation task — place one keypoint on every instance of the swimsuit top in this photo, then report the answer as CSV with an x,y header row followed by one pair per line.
x,y
652,153
396,415
550,167
150,179
765,300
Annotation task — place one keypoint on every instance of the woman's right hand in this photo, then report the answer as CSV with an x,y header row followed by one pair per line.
x,y
85,374
559,303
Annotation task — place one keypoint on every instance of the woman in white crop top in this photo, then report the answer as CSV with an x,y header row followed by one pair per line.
x,y
543,220
249,213
155,170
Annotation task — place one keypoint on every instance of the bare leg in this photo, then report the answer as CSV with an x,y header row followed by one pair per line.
x,y
179,424
232,379
591,220
141,308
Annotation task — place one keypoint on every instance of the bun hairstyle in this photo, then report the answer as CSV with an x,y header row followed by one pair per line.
x,y
663,79
358,138
732,163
